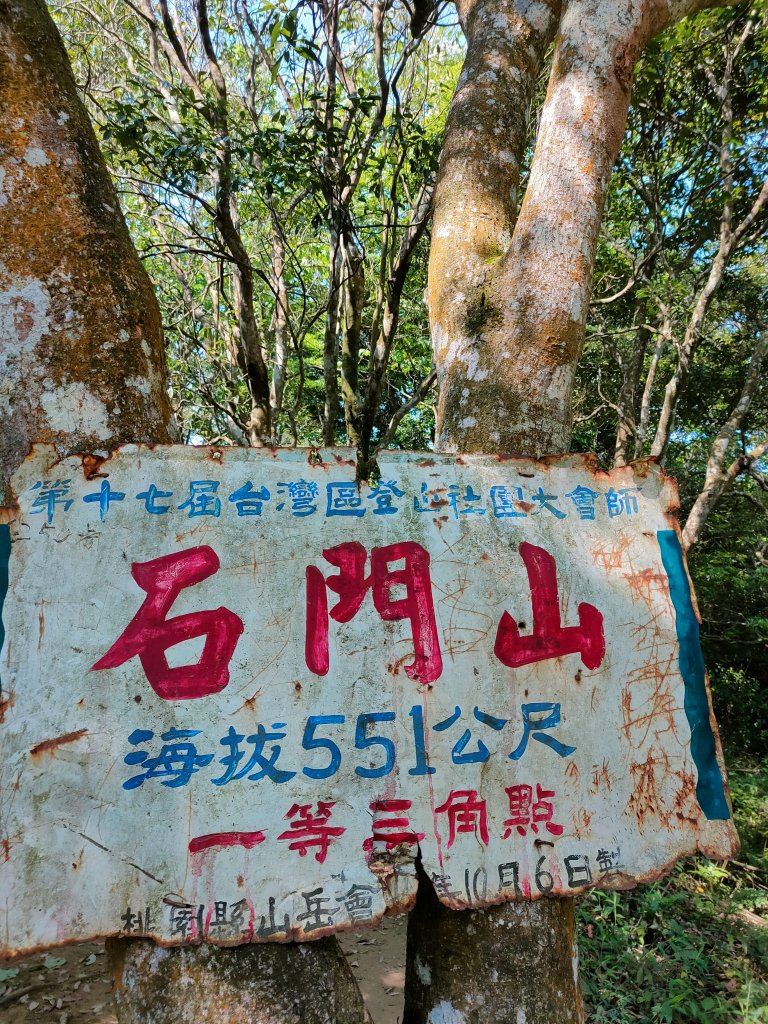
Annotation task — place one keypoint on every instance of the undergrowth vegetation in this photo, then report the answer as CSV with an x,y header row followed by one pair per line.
x,y
691,947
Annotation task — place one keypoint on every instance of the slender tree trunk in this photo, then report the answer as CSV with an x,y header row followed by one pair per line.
x,y
627,428
331,335
280,328
352,306
731,237
719,477
387,315
645,402
82,367
677,382
249,353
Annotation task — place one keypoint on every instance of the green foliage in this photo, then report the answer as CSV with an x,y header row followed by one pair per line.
x,y
731,581
749,789
299,158
682,950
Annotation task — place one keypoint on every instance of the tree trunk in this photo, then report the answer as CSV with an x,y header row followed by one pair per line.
x,y
331,334
731,238
386,315
631,372
719,477
249,355
81,347
280,329
508,297
261,984
81,351
352,306
515,963
663,338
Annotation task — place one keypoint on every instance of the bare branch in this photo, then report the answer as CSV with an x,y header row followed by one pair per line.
x,y
718,478
418,396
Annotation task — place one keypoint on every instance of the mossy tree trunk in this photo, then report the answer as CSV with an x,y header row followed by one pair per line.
x,y
81,344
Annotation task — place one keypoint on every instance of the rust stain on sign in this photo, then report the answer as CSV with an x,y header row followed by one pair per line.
x,y
293,685
57,741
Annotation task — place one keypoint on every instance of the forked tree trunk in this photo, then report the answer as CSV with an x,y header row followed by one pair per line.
x,y
82,364
509,292
508,300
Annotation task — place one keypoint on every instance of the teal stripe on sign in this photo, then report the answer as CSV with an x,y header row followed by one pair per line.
x,y
710,788
5,554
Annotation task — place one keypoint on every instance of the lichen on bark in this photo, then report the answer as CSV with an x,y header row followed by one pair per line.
x,y
80,335
305,984
539,280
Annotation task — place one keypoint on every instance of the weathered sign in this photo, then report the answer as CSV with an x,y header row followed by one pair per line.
x,y
242,694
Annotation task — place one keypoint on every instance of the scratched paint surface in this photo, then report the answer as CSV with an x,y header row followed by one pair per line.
x,y
241,695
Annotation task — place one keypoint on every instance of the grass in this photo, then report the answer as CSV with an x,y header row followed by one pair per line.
x,y
683,949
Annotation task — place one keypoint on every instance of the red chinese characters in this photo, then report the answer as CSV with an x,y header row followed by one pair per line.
x,y
525,812
549,639
351,584
150,634
391,825
466,812
311,829
222,840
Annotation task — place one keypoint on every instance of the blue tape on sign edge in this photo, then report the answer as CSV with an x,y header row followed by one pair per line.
x,y
5,554
710,788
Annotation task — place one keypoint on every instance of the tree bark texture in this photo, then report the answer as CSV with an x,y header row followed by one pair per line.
x,y
331,337
509,292
82,366
352,308
81,348
514,964
508,297
303,984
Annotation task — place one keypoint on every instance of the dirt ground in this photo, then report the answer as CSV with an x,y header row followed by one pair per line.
x,y
72,985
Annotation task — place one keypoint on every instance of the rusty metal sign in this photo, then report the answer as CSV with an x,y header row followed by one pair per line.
x,y
242,694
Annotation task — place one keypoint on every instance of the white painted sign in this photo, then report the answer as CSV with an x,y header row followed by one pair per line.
x,y
240,694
